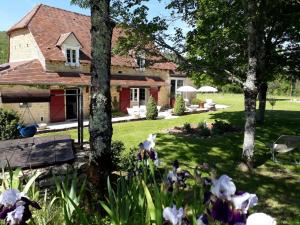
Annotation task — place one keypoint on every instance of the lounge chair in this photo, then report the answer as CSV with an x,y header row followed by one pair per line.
x,y
284,144
209,104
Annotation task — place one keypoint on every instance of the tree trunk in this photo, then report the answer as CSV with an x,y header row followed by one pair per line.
x,y
100,126
250,90
262,98
262,72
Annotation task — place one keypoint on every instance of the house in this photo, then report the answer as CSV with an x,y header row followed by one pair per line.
x,y
50,57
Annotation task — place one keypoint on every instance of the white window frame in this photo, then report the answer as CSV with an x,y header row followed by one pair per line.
x,y
176,84
72,48
142,58
132,93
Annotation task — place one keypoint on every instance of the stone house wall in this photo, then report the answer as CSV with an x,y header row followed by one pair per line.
x,y
24,47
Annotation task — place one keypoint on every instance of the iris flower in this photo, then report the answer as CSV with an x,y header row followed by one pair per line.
x,y
14,207
202,220
244,201
146,150
223,188
173,215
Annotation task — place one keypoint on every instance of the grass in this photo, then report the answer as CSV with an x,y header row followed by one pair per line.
x,y
277,185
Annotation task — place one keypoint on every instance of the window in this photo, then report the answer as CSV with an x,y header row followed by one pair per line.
x,y
71,56
175,84
141,62
134,94
142,94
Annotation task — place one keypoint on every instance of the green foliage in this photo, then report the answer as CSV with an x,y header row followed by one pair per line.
x,y
117,149
203,130
187,127
152,111
3,47
128,160
195,101
50,214
9,121
137,200
231,88
179,107
70,192
221,127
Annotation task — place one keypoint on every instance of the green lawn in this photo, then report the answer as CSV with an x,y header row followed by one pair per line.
x,y
277,185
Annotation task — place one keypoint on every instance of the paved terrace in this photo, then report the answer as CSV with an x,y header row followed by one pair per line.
x,y
73,124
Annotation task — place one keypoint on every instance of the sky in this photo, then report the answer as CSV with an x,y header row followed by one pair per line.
x,y
11,11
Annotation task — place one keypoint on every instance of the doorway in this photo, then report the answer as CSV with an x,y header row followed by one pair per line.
x,y
71,104
138,96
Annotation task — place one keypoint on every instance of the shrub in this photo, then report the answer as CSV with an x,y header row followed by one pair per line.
x,y
179,107
221,127
196,101
117,150
187,127
9,121
203,129
152,111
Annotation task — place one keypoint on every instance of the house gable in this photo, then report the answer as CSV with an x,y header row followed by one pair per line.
x,y
23,47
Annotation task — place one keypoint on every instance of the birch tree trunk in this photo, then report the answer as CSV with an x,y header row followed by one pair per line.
x,y
250,90
100,126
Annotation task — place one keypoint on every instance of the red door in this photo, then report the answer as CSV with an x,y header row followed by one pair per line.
x,y
154,93
57,106
124,99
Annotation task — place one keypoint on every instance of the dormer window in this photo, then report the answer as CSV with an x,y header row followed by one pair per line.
x,y
71,56
141,61
70,47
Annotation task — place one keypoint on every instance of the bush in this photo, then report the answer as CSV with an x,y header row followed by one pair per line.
x,y
179,107
221,127
195,101
9,121
231,88
152,111
187,127
117,148
203,130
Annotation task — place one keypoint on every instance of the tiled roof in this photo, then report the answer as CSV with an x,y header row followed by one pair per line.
x,y
47,24
32,73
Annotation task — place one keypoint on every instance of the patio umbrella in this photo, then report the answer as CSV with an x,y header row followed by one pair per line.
x,y
186,89
207,89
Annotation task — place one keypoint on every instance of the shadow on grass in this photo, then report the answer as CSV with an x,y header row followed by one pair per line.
x,y
277,185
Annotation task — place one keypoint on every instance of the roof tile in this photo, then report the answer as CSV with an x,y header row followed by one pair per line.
x,y
47,24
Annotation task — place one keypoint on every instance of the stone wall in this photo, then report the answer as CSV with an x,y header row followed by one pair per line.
x,y
23,47
39,111
58,66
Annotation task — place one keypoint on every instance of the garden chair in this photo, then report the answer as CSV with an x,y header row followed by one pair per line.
x,y
284,144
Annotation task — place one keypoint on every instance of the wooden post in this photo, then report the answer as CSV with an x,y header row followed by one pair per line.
x,y
81,117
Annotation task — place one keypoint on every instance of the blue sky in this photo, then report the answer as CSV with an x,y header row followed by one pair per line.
x,y
11,11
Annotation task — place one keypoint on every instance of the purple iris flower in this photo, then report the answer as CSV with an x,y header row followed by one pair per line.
x,y
221,211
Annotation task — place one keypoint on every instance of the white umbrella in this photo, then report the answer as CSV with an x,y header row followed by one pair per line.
x,y
207,89
186,89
